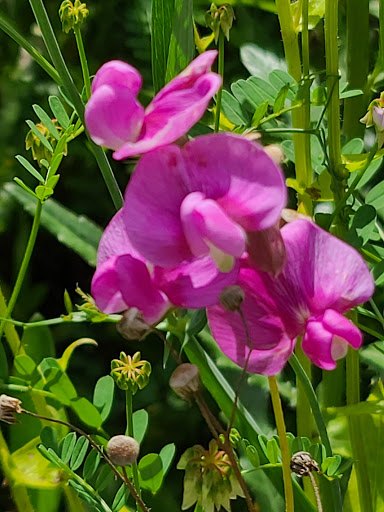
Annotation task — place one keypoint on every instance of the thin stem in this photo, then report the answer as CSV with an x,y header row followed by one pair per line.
x,y
307,90
356,434
94,445
316,491
303,409
282,433
221,73
129,432
23,269
83,60
12,32
9,330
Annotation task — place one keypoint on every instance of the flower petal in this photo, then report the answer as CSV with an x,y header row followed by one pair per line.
x,y
105,288
196,284
152,207
113,116
117,73
171,117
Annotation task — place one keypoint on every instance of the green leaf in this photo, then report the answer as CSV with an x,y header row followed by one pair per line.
x,y
91,464
253,455
49,439
316,10
103,396
59,111
46,120
67,446
64,359
79,453
259,61
57,381
319,96
232,109
140,424
273,451
363,226
182,45
259,114
375,197
198,322
280,79
25,366
280,100
151,472
353,147
167,454
24,162
162,21
86,412
74,231
24,186
38,342
351,94
104,478
39,135
120,498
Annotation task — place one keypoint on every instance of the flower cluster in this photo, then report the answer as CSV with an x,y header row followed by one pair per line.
x,y
203,217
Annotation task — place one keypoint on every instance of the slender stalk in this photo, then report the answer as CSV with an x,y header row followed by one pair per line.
x,y
83,60
356,434
73,94
357,65
303,409
379,66
281,430
129,432
12,32
307,96
316,491
23,269
221,73
9,329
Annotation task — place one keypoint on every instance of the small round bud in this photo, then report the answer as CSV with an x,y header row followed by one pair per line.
x,y
9,406
275,152
123,450
185,380
231,298
303,464
132,326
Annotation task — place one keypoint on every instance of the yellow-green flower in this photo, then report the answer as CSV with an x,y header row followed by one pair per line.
x,y
130,372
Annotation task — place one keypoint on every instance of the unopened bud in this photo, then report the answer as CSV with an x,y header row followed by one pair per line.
x,y
275,152
123,450
72,14
220,17
185,380
132,326
130,372
232,297
9,406
303,464
39,151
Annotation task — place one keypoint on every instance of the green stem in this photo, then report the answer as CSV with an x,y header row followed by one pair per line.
x,y
23,269
9,329
53,48
307,95
282,433
356,433
379,67
292,55
12,32
221,73
83,61
129,432
303,409
357,66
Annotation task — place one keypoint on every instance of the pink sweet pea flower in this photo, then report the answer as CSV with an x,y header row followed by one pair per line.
x,y
123,279
323,278
207,199
115,119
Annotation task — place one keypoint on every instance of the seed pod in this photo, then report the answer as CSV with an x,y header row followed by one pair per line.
x,y
231,298
303,464
132,326
185,380
9,406
123,450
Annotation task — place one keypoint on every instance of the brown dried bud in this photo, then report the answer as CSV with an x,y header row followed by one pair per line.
x,y
9,406
232,297
185,380
303,464
123,450
133,326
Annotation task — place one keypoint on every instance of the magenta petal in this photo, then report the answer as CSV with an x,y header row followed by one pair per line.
x,y
113,116
170,117
340,326
117,73
152,207
196,284
115,241
105,288
138,289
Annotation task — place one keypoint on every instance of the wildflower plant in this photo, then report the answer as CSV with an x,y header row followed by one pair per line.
x,y
245,255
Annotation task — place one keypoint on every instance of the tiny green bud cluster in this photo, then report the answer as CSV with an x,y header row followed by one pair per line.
x,y
39,151
220,17
130,372
72,14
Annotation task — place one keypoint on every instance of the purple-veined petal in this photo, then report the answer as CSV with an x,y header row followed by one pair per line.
x,y
267,250
115,241
196,284
171,117
105,288
113,116
152,207
117,73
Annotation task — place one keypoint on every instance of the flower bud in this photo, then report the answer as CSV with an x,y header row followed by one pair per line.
x,y
132,326
72,14
275,152
130,373
9,406
40,152
231,298
303,464
123,450
220,17
375,117
185,380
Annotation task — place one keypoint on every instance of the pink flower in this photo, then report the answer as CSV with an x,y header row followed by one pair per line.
x,y
207,199
115,119
323,278
123,279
